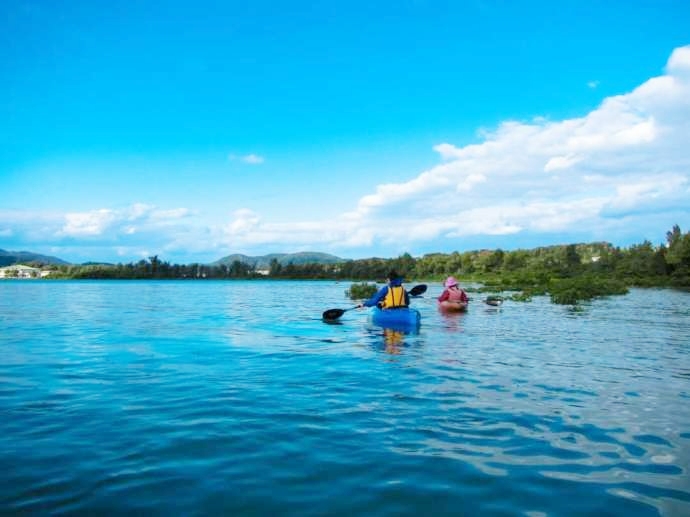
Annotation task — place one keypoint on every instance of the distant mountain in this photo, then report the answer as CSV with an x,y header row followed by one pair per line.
x,y
7,258
264,261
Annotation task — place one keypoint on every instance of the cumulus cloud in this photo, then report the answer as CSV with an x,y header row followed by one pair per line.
x,y
629,154
549,176
679,62
561,162
244,221
109,223
83,224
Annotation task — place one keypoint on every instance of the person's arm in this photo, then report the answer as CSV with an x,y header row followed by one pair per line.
x,y
444,296
380,295
465,298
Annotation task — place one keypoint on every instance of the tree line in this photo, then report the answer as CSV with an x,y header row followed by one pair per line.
x,y
529,271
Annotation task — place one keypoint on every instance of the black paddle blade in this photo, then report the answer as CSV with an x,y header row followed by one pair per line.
x,y
417,290
333,314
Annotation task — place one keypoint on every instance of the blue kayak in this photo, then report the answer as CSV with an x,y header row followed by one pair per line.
x,y
401,317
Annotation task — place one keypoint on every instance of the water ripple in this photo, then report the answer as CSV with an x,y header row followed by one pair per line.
x,y
222,398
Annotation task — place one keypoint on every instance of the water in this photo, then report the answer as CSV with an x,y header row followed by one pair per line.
x,y
235,398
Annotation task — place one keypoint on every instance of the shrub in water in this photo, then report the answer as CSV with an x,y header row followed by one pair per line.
x,y
573,290
361,291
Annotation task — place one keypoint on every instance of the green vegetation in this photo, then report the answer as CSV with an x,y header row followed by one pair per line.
x,y
361,291
569,273
569,291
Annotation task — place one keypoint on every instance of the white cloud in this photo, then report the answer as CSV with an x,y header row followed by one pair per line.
x,y
136,218
169,216
561,162
138,210
679,62
87,223
628,156
639,195
630,151
252,159
244,221
470,181
624,165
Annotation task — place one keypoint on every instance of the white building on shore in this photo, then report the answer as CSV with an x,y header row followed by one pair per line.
x,y
22,271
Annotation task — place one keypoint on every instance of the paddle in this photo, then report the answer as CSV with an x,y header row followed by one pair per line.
x,y
417,290
334,314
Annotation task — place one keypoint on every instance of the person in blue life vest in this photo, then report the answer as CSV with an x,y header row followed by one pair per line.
x,y
390,296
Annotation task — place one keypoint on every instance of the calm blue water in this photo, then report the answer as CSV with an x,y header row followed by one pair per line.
x,y
235,398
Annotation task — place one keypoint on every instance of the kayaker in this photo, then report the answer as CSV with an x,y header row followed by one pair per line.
x,y
453,292
390,296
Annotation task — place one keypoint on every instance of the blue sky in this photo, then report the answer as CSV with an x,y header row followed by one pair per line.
x,y
193,130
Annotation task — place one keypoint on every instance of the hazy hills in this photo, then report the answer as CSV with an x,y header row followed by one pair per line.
x,y
7,258
264,261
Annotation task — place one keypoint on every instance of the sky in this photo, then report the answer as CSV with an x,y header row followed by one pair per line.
x,y
193,130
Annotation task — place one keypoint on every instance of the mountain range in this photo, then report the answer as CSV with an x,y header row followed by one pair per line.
x,y
7,258
264,261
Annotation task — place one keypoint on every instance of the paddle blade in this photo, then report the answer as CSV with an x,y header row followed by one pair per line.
x,y
333,314
417,290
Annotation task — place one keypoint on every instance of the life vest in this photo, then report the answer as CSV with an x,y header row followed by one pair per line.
x,y
455,295
395,297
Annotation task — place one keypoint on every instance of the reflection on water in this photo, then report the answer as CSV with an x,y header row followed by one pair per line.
x,y
221,398
452,321
393,339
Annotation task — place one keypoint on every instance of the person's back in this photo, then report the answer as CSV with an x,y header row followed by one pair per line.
x,y
391,296
453,292
396,297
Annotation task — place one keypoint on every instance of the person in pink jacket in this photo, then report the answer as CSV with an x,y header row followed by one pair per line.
x,y
453,296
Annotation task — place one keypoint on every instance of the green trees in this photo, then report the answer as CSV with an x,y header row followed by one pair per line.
x,y
573,272
571,260
568,272
515,260
238,270
678,257
275,267
438,264
643,264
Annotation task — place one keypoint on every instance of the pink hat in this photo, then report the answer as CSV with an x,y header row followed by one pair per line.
x,y
450,281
